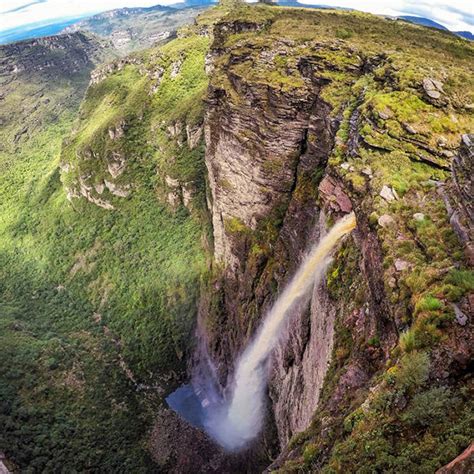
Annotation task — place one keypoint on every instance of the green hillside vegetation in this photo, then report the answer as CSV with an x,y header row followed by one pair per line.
x,y
96,302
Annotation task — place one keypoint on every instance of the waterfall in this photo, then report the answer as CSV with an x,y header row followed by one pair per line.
x,y
234,424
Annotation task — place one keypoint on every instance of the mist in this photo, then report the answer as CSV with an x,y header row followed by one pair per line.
x,y
234,422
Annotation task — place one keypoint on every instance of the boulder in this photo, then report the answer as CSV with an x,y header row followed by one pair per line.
x,y
332,192
385,114
461,318
387,193
432,88
116,190
117,131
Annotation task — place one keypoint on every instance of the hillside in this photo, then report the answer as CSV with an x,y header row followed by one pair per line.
x,y
433,24
147,227
138,28
43,79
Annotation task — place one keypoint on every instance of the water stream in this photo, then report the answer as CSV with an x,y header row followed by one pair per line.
x,y
234,422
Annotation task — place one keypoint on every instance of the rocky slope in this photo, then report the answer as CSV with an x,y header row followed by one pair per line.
x,y
302,126
41,79
130,29
198,174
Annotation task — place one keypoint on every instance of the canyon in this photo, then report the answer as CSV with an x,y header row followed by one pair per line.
x,y
167,210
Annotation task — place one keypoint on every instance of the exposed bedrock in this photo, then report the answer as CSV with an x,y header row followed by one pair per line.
x,y
266,153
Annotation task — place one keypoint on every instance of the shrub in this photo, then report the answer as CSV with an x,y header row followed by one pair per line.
x,y
234,225
462,278
309,453
342,33
428,407
374,341
428,303
408,341
414,370
353,419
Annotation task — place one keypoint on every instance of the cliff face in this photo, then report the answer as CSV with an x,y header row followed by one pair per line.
x,y
268,145
65,54
301,128
41,80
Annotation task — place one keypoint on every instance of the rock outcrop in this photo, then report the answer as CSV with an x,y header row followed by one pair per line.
x,y
459,196
173,440
286,155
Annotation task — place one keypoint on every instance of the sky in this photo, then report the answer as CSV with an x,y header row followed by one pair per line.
x,y
454,14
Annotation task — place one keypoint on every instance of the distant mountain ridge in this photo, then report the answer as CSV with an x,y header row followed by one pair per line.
x,y
465,34
130,29
423,21
91,22
69,24
418,20
410,18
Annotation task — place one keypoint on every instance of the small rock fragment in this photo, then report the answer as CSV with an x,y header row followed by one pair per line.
x,y
392,283
387,193
410,129
418,216
432,87
461,318
385,114
442,142
386,221
171,182
401,265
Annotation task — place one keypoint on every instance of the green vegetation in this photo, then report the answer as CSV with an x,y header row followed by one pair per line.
x,y
408,341
95,302
437,425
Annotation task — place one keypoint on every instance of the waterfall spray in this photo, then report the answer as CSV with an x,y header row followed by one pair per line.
x,y
234,424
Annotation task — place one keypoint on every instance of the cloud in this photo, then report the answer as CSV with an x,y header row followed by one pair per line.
x,y
455,14
22,7
16,13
